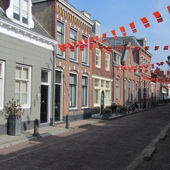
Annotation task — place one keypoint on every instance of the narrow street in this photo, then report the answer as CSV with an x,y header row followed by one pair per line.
x,y
109,145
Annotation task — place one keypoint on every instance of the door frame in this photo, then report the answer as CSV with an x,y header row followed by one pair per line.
x,y
49,92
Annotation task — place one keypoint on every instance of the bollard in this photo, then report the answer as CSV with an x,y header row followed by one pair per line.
x,y
36,127
67,121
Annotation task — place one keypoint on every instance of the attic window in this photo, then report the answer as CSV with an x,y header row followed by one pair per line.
x,y
20,12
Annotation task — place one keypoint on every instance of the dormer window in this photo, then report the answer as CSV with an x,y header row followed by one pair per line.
x,y
20,12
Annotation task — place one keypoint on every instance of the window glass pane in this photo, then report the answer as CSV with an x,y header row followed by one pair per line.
x,y
24,86
44,76
18,73
57,77
25,74
17,10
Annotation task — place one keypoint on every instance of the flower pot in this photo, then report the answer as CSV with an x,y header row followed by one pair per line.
x,y
14,125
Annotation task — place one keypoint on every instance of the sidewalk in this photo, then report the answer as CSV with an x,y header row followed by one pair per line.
x,y
7,140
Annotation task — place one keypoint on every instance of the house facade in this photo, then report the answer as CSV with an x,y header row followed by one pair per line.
x,y
26,64
73,88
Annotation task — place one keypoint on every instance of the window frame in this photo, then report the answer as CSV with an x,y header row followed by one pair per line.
x,y
70,91
117,88
97,58
85,98
28,82
107,62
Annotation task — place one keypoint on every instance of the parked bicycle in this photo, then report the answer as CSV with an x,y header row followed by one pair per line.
x,y
133,107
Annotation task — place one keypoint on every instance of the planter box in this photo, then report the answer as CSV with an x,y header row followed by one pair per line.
x,y
14,125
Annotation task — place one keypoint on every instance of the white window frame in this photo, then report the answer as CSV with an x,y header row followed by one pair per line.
x,y
129,91
98,58
85,54
117,88
73,107
27,105
87,78
74,55
62,40
2,75
107,62
10,14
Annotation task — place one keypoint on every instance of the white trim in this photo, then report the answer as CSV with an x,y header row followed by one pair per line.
x,y
3,76
13,30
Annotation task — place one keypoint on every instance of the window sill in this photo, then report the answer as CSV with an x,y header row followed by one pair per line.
x,y
60,57
73,61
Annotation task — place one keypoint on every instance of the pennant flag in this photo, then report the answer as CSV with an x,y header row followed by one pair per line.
x,y
167,62
158,64
75,44
152,65
72,48
91,40
158,16
137,47
161,63
166,47
133,27
110,48
114,33
104,37
128,47
168,7
119,48
100,47
97,38
156,48
122,29
145,22
86,42
146,48
119,68
82,48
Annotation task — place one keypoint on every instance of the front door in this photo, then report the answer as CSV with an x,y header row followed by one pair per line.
x,y
44,104
57,102
102,101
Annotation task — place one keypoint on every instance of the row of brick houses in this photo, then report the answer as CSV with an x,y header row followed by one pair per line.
x,y
52,82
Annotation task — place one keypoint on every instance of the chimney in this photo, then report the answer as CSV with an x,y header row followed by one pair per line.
x,y
4,4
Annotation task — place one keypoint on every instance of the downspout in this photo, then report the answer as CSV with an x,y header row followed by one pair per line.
x,y
53,86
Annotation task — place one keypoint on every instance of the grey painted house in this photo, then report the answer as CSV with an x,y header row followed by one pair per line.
x,y
27,52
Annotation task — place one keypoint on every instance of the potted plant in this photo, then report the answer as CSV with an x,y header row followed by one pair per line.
x,y
107,112
13,112
123,109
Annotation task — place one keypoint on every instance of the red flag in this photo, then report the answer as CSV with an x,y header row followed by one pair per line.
x,y
145,22
72,48
137,47
104,37
119,48
146,47
122,29
109,48
91,40
97,38
100,47
128,47
86,42
114,33
168,7
158,16
133,27
166,47
156,48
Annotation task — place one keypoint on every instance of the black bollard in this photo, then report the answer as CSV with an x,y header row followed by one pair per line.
x,y
36,127
67,121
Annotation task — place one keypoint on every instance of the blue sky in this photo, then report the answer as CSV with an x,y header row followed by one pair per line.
x,y
116,13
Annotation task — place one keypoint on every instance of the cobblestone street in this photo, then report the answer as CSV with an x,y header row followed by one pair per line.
x,y
108,145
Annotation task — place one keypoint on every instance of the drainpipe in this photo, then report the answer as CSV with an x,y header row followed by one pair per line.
x,y
53,86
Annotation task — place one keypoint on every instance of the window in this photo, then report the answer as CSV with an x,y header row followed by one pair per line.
x,y
60,36
98,58
108,93
136,91
22,85
73,38
96,96
85,55
1,84
73,90
107,62
117,89
129,91
20,11
84,90
125,93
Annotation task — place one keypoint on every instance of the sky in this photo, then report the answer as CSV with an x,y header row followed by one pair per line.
x,y
112,14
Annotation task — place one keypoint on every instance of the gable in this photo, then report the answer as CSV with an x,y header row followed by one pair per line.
x,y
20,11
